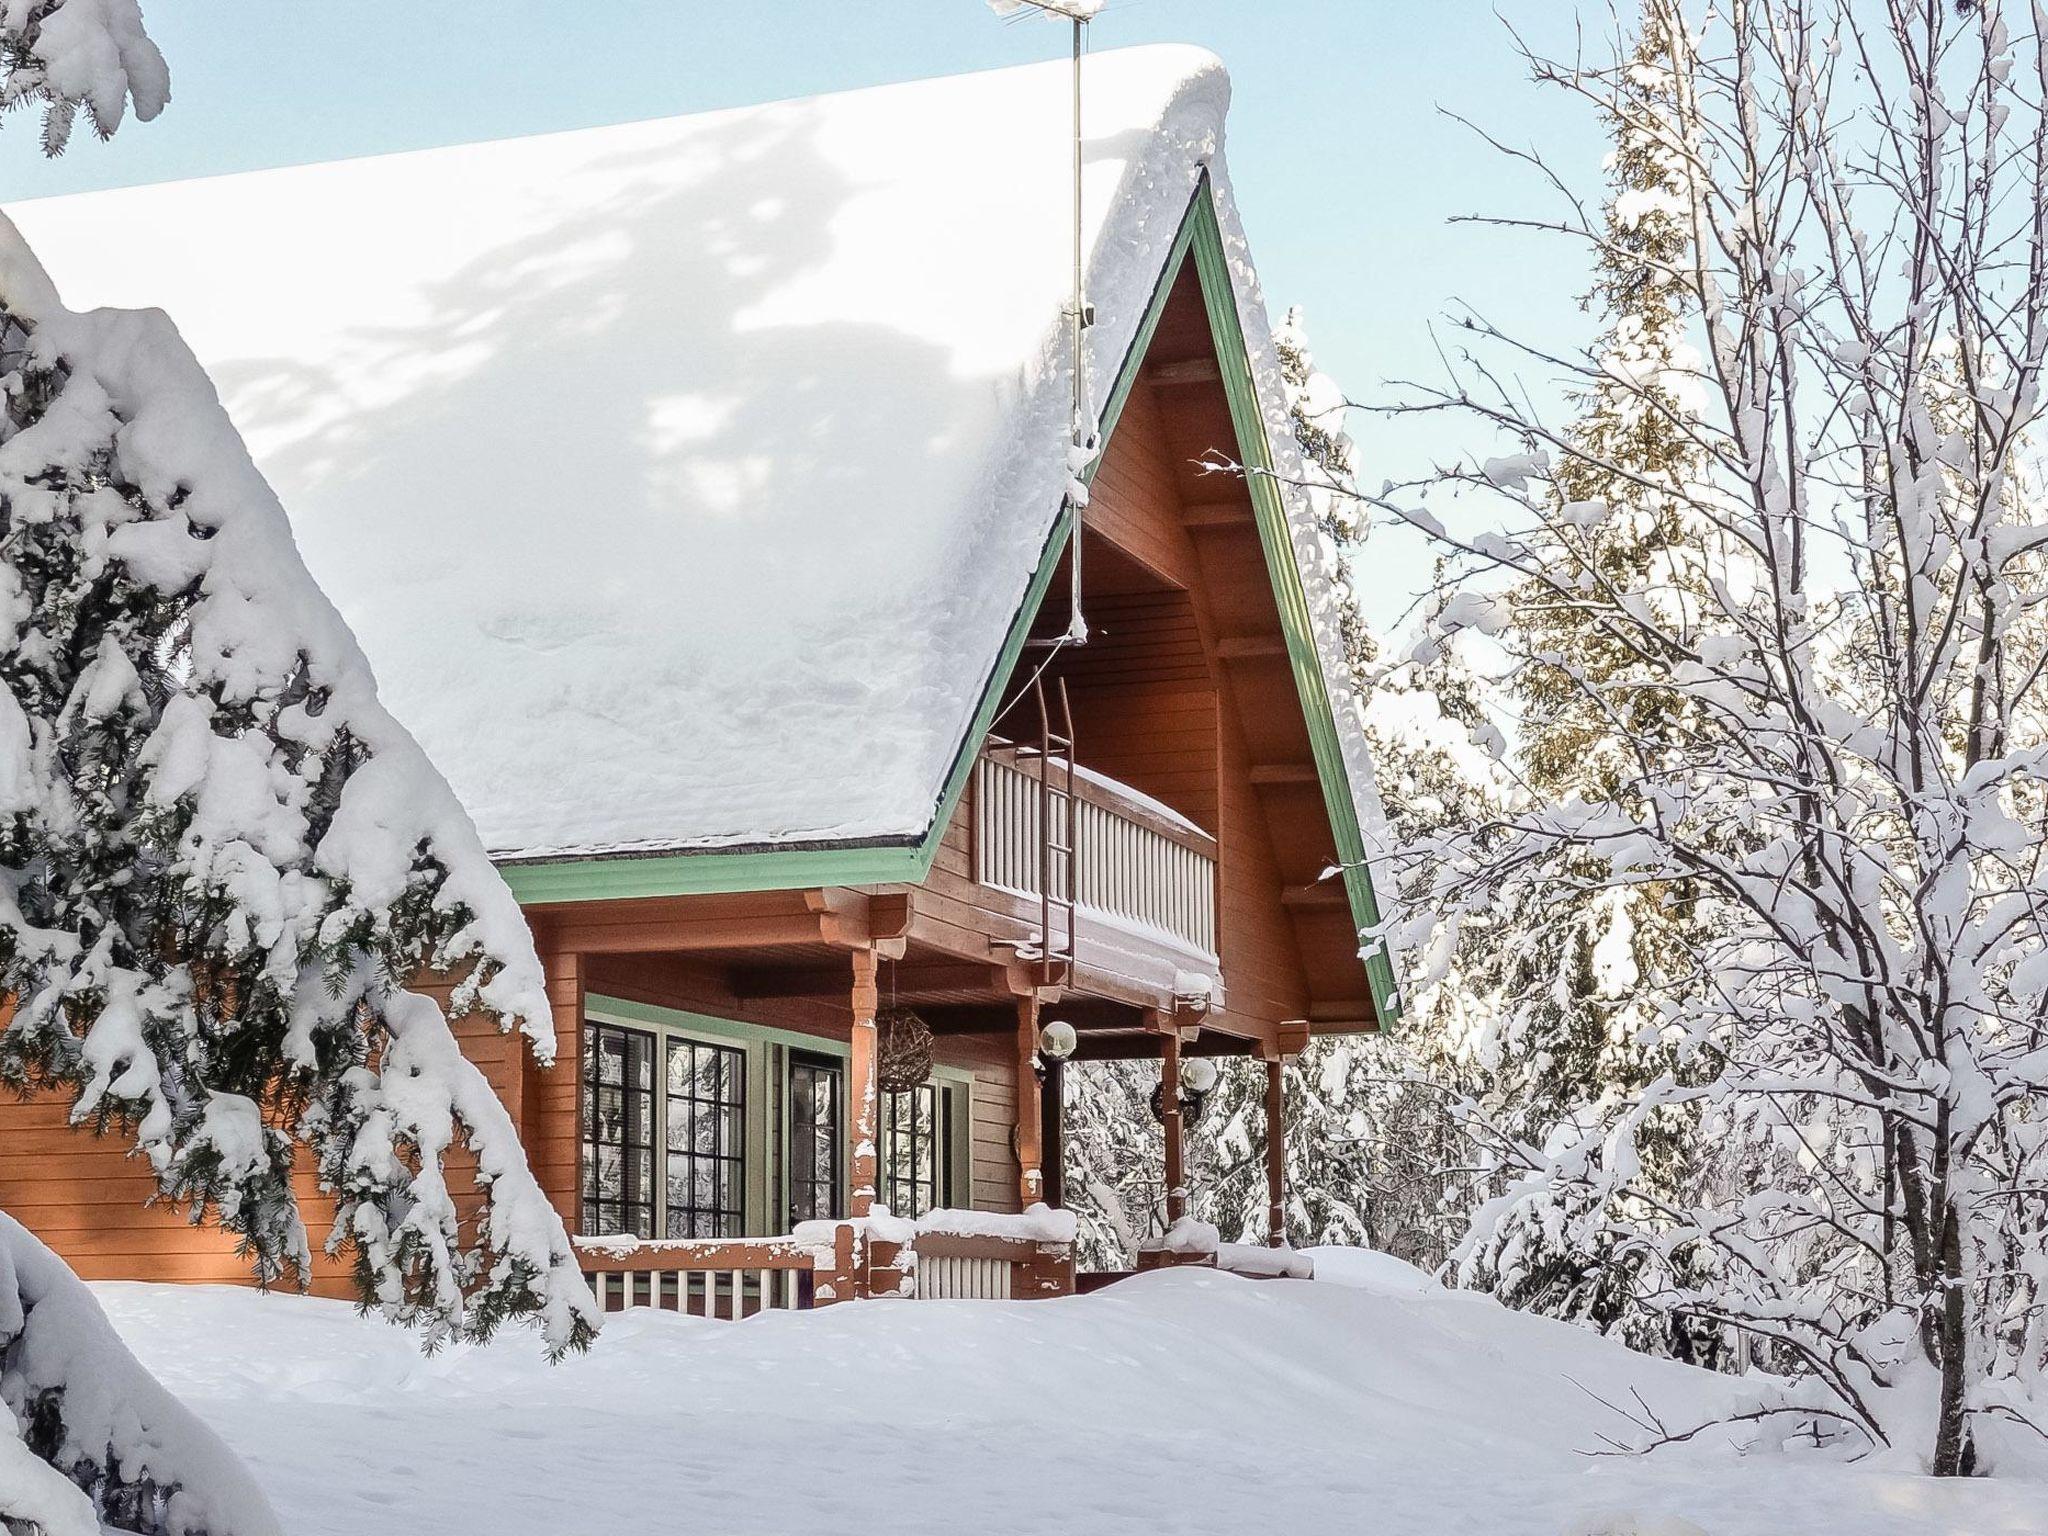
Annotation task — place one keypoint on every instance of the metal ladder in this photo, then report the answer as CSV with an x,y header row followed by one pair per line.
x,y
1059,827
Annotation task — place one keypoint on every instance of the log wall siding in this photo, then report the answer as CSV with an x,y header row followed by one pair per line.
x,y
86,1197
992,1155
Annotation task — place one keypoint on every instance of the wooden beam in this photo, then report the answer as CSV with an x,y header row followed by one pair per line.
x,y
1322,894
891,914
1356,1010
911,981
1209,515
1097,1045
1194,370
1263,774
666,936
1251,648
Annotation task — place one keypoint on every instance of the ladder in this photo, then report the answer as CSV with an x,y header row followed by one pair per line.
x,y
1059,827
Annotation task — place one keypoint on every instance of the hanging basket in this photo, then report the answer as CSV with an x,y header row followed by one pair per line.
x,y
903,1050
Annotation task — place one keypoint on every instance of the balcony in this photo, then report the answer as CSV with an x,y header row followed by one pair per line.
x,y
1120,880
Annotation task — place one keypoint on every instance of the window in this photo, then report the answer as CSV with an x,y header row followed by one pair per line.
x,y
914,1163
814,1096
706,1138
618,1131
697,1120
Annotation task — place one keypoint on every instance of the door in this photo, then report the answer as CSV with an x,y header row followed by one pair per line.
x,y
817,1087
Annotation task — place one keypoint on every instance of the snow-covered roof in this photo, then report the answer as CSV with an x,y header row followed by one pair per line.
x,y
681,479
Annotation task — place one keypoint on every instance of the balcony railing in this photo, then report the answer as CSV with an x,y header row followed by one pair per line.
x,y
1136,862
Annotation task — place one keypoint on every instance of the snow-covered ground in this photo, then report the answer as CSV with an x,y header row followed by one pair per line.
x,y
1185,1402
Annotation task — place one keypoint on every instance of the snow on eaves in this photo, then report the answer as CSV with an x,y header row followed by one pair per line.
x,y
682,479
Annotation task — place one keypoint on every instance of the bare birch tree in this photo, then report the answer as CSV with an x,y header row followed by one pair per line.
x,y
1853,626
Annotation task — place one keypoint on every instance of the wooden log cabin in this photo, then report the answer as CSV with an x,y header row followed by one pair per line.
x,y
700,491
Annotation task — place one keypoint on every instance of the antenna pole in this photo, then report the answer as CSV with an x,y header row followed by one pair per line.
x,y
1079,427
1077,626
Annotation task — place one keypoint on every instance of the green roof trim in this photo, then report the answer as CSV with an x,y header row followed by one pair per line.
x,y
708,871
1219,300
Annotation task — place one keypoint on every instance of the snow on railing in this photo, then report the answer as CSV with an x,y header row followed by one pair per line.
x,y
1137,860
994,1256
728,1278
983,1255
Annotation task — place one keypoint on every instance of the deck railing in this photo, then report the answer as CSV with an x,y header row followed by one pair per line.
x,y
1136,862
729,1279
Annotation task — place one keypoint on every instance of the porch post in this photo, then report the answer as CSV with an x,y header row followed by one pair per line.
x,y
862,1104
1276,1154
1169,1107
1030,1146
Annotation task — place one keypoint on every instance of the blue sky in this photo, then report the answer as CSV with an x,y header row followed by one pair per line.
x,y
1345,164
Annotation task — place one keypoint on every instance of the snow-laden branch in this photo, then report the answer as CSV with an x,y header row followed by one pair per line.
x,y
88,1439
1779,600
221,859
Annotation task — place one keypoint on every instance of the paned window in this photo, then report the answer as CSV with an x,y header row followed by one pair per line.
x,y
913,1151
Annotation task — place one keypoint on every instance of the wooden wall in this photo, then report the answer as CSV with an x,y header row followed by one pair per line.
x,y
86,1197
1157,706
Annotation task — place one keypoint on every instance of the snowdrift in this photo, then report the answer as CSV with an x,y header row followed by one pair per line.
x,y
1185,1401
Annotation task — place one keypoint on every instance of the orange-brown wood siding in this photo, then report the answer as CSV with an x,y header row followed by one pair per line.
x,y
86,1197
1155,708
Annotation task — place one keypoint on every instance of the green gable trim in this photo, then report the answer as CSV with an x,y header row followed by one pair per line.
x,y
710,871
1219,300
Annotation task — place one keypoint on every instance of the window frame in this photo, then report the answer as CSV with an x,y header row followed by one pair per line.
x,y
807,1059
590,1124
952,1091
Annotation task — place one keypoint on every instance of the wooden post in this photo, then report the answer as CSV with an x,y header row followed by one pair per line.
x,y
1053,1136
1030,1148
862,1102
1276,1154
1169,1105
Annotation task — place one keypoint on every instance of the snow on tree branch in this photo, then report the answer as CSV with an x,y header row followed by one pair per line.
x,y
222,861
1801,645
93,55
88,1440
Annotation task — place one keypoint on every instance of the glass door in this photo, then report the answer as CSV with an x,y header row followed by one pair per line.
x,y
816,1092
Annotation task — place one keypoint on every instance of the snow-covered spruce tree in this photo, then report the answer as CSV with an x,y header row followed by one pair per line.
x,y
73,56
221,863
221,860
1576,992
1856,800
96,1444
